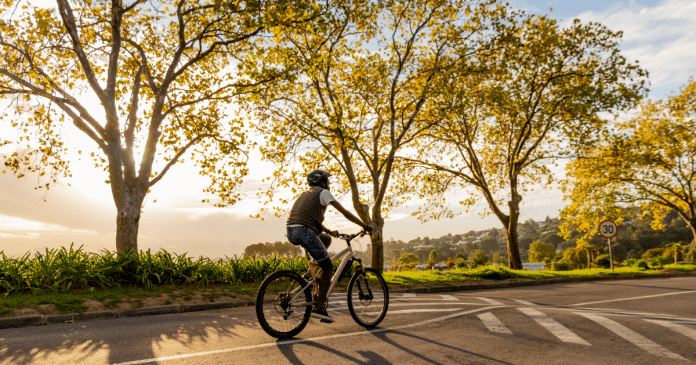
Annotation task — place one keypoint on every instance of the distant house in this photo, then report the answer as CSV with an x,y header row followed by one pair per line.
x,y
423,246
533,266
420,267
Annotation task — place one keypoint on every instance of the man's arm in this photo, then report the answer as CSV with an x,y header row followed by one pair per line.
x,y
350,216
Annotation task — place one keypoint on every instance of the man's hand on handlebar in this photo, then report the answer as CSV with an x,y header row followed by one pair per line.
x,y
334,233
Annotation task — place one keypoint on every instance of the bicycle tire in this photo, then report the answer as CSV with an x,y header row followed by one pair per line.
x,y
272,304
364,290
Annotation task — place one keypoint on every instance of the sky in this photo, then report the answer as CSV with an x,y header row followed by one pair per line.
x,y
80,210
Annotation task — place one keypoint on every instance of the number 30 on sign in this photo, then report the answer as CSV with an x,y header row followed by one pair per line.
x,y
608,229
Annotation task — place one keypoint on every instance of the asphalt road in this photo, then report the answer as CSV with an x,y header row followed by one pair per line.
x,y
609,322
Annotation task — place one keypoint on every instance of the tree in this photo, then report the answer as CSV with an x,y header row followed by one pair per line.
x,y
408,258
540,251
361,97
502,130
479,258
142,81
649,159
433,255
575,257
675,249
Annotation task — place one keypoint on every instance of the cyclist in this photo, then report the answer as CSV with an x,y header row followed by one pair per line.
x,y
305,229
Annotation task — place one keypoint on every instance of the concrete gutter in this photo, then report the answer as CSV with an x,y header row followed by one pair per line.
x,y
25,321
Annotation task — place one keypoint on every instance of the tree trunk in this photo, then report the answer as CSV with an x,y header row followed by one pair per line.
x,y
691,249
127,224
377,240
513,249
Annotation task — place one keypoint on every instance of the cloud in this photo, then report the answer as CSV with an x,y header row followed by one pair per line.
x,y
661,37
8,223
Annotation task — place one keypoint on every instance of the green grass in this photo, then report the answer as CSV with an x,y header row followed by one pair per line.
x,y
455,276
64,302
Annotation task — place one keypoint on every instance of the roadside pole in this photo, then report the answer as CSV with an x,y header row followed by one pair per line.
x,y
608,230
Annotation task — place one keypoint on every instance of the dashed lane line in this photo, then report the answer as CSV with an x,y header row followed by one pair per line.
x,y
632,336
448,297
557,329
293,342
493,323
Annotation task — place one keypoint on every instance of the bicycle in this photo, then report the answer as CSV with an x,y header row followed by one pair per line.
x,y
284,299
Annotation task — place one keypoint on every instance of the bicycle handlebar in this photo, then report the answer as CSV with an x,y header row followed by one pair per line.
x,y
347,237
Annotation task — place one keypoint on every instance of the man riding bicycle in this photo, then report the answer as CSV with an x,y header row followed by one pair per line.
x,y
305,228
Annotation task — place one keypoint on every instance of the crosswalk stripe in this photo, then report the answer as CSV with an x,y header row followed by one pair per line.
x,y
632,337
557,329
523,302
408,295
490,301
493,323
448,297
686,331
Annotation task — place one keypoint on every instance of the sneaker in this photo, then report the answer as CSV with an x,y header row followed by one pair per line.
x,y
322,315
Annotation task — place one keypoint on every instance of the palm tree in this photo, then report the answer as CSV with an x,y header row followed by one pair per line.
x,y
677,247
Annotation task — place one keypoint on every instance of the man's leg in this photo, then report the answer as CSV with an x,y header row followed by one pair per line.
x,y
324,282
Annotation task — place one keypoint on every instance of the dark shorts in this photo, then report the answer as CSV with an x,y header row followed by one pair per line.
x,y
305,237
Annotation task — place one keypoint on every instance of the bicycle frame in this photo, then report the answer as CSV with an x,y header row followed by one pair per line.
x,y
349,257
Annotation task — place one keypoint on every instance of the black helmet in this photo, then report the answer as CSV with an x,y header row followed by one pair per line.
x,y
315,177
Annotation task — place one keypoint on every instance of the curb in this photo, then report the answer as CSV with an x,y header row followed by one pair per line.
x,y
26,321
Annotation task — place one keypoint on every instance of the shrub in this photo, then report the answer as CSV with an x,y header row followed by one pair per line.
x,y
461,263
630,262
653,252
642,264
493,273
603,261
560,266
479,258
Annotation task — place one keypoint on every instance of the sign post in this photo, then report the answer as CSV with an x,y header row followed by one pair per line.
x,y
608,230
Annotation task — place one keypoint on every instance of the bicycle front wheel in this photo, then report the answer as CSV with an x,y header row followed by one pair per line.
x,y
368,298
281,306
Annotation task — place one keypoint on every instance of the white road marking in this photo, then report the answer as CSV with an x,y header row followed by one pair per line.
x,y
404,311
448,297
292,342
686,331
632,337
557,329
524,302
408,295
620,313
635,298
493,323
489,301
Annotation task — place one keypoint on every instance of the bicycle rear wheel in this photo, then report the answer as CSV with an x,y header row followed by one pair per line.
x,y
368,298
279,314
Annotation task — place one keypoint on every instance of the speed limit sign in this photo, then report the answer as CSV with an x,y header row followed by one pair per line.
x,y
608,229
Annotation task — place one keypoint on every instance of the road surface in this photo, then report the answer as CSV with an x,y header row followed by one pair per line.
x,y
619,322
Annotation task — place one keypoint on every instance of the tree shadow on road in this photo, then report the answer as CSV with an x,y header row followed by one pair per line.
x,y
370,357
384,336
120,340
